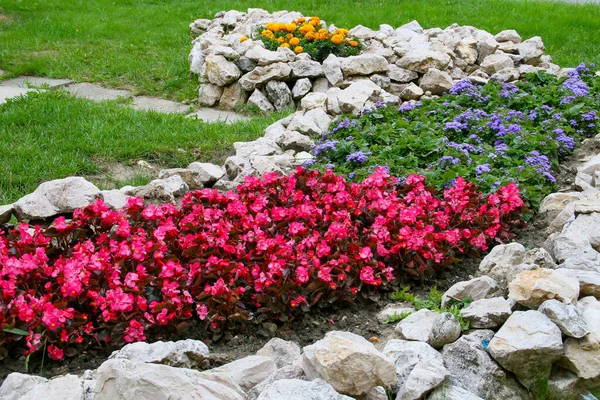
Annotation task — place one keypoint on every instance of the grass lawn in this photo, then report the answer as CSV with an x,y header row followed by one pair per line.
x,y
53,135
143,44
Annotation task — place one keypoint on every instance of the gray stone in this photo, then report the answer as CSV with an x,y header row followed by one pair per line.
x,y
187,353
258,147
558,201
209,94
280,95
35,82
264,57
196,59
234,165
508,35
92,91
67,387
146,103
436,81
126,380
225,186
429,327
207,173
306,69
479,288
320,85
56,197
485,47
261,75
333,70
249,371
401,75
566,316
300,390
471,368
365,64
531,50
283,352
260,101
496,62
507,75
225,51
411,92
350,363
589,282
115,198
287,372
425,377
301,87
501,260
17,385
295,141
584,262
575,237
314,100
451,392
446,329
422,60
321,119
383,81
527,345
539,257
233,96
6,213
532,288
467,50
487,313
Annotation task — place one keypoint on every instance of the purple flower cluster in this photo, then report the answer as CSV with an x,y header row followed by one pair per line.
x,y
409,106
541,163
326,146
357,157
564,142
467,88
482,168
508,90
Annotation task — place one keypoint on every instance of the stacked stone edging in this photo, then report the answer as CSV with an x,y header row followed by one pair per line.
x,y
402,64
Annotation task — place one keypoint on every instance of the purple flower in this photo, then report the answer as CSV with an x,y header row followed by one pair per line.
x,y
564,141
351,175
326,146
576,86
589,116
541,163
409,106
308,163
483,168
358,157
514,128
329,166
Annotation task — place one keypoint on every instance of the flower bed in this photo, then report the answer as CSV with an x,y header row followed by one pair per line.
x,y
278,245
490,135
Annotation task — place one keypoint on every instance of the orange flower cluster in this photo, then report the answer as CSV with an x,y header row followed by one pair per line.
x,y
303,33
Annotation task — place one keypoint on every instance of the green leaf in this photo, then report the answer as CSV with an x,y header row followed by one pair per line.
x,y
16,331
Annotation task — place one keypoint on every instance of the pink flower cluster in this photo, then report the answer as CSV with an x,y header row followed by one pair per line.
x,y
276,245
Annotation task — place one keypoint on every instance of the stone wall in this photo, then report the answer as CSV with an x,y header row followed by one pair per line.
x,y
398,64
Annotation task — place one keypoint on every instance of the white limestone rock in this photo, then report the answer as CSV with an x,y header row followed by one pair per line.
x,y
280,95
260,101
365,64
566,316
482,287
283,352
221,72
487,313
423,60
429,327
532,288
17,385
297,389
187,353
436,81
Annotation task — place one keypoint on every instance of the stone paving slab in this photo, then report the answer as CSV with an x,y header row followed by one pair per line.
x,y
95,92
8,92
214,115
35,81
159,105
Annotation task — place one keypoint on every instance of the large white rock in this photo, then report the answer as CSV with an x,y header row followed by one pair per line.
x,y
258,147
422,60
411,92
306,69
292,140
249,371
314,100
472,369
209,94
162,190
260,75
436,81
17,385
183,353
467,50
260,101
566,316
350,363
531,50
532,288
496,62
589,282
500,262
301,390
220,71
482,287
558,201
292,371
419,367
353,99
582,356
333,70
401,75
508,35
233,96
126,380
301,87
264,57
485,47
452,392
280,94
68,387
283,352
56,197
487,313
527,345
365,64
583,262
429,327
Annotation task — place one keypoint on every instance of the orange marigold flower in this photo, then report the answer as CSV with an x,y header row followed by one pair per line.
x,y
267,33
353,43
306,28
280,39
311,36
294,41
285,45
289,36
291,27
243,39
270,26
337,39
301,19
298,49
315,21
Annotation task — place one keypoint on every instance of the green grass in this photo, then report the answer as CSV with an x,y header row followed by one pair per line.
x,y
143,44
52,135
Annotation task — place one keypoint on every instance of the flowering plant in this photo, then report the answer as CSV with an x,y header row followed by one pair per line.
x,y
309,36
491,135
278,245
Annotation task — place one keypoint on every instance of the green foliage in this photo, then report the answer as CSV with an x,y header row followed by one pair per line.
x,y
432,302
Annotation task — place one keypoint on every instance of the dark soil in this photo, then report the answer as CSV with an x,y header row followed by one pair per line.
x,y
358,318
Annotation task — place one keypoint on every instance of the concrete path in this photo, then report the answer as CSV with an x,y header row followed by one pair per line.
x,y
22,85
